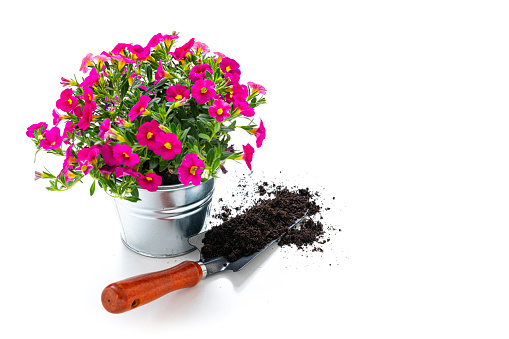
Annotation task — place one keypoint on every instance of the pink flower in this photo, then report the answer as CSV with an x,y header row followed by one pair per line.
x,y
58,116
91,80
106,171
87,115
167,38
248,155
84,166
102,58
147,133
66,82
177,93
122,60
123,171
167,145
67,101
51,139
229,66
105,130
190,169
119,48
70,159
32,128
182,52
198,72
203,91
89,154
123,155
201,47
139,108
88,95
155,40
257,88
107,154
242,107
220,56
68,131
141,53
219,110
87,61
161,73
259,134
150,181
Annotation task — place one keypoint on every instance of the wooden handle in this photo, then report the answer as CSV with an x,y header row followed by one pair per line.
x,y
130,293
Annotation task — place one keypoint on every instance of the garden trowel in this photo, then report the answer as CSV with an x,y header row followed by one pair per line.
x,y
133,292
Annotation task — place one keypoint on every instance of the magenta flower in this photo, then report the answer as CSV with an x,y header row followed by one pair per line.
x,y
167,145
87,115
87,61
105,130
88,95
259,134
32,128
141,53
257,88
220,56
198,72
68,131
248,155
219,110
123,171
190,169
203,91
168,38
150,181
229,66
106,171
242,107
139,108
123,155
122,60
58,116
177,93
108,155
155,40
91,80
66,82
182,52
102,58
51,139
147,133
120,47
89,154
69,160
201,47
161,73
84,166
67,101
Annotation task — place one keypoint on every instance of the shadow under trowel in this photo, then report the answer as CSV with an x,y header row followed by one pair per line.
x,y
240,278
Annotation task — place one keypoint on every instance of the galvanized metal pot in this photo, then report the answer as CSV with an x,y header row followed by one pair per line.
x,y
160,224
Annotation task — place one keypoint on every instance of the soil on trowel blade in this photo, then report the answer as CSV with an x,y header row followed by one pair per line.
x,y
269,218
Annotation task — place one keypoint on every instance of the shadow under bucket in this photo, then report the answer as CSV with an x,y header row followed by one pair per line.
x,y
160,224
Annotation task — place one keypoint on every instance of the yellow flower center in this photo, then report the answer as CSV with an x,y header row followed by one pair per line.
x,y
53,143
83,168
148,178
69,101
193,170
203,90
167,145
149,135
220,111
178,96
228,69
125,155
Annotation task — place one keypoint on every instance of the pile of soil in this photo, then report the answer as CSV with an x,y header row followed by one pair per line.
x,y
275,208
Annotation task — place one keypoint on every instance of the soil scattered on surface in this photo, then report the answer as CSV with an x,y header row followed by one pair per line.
x,y
273,209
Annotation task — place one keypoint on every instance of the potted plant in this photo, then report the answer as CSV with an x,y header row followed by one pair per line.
x,y
151,125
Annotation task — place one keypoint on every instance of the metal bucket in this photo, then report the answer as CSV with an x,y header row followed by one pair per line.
x,y
161,222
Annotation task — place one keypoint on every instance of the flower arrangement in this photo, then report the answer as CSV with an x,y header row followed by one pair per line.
x,y
150,116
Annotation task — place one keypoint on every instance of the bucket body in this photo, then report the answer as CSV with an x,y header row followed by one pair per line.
x,y
160,224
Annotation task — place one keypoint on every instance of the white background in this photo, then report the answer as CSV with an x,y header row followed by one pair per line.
x,y
399,109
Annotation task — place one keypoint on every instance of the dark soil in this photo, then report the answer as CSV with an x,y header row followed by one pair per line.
x,y
267,219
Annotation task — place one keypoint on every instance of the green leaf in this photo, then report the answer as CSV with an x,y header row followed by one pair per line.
x,y
204,136
153,162
149,73
92,188
210,156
